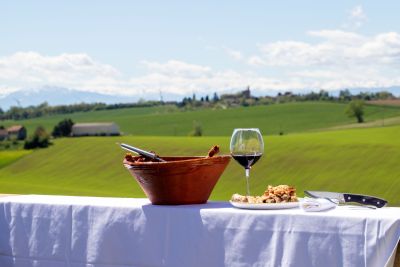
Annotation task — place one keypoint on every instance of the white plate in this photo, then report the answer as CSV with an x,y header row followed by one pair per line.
x,y
265,206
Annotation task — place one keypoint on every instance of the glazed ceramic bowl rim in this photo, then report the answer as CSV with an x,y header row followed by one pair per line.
x,y
189,159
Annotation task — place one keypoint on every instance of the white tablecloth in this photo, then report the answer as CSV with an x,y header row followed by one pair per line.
x,y
53,231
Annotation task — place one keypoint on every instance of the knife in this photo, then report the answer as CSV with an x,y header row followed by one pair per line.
x,y
141,152
346,198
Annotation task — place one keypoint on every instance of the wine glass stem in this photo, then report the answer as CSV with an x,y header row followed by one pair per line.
x,y
247,181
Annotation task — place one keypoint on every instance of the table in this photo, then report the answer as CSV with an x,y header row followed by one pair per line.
x,y
53,231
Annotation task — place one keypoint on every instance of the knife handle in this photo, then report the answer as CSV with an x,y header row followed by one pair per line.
x,y
365,200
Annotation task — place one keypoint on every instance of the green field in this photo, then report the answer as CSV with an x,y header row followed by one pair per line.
x,y
8,157
317,154
271,119
356,160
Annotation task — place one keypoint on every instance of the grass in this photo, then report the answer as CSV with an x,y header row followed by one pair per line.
x,y
7,145
8,157
383,102
91,116
271,119
377,123
357,160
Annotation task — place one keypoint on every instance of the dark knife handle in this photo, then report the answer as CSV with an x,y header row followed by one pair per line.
x,y
365,200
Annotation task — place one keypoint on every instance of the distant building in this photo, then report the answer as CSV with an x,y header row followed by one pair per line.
x,y
95,129
237,97
246,93
3,134
17,132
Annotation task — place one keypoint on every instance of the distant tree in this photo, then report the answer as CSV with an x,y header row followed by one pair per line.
x,y
197,129
385,95
364,96
40,139
202,99
1,111
215,97
207,98
141,100
345,95
63,128
43,105
356,109
323,95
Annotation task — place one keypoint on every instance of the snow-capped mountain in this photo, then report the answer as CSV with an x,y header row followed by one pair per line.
x,y
58,96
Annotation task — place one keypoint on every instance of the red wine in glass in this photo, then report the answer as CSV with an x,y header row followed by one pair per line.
x,y
247,160
247,147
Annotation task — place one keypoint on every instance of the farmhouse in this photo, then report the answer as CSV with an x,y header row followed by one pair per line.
x,y
17,132
95,129
3,134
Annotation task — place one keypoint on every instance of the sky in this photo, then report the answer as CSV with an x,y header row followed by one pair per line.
x,y
185,47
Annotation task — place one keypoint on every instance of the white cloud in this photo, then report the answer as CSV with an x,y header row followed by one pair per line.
x,y
31,69
331,60
339,36
235,54
255,61
358,13
336,48
289,53
177,68
356,18
80,71
194,78
337,59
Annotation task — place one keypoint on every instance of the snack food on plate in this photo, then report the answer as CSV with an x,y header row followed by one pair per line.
x,y
273,194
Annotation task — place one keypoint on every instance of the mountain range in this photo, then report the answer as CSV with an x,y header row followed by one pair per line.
x,y
61,96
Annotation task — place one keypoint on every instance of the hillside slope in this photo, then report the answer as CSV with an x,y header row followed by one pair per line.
x,y
360,161
168,121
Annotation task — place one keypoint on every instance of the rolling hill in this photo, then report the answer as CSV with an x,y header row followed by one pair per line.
x,y
356,160
169,121
8,157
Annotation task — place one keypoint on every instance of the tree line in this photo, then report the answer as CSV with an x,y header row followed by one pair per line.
x,y
41,139
243,98
44,109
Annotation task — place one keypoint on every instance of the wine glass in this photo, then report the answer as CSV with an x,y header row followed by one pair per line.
x,y
247,147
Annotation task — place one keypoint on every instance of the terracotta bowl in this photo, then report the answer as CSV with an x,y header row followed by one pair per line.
x,y
180,180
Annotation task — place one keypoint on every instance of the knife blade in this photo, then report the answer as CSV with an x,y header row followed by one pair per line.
x,y
349,198
141,152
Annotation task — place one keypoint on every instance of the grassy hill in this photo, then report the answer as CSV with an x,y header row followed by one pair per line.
x,y
358,160
8,157
271,119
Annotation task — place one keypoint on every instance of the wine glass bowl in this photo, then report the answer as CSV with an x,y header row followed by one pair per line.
x,y
247,147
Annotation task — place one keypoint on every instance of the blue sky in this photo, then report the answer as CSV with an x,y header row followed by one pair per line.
x,y
180,47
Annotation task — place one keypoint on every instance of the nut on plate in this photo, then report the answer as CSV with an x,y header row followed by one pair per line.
x,y
273,194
